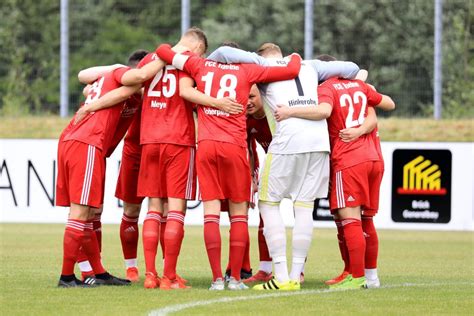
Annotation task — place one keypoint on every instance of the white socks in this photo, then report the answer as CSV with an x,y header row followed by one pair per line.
x,y
371,274
265,266
302,236
275,235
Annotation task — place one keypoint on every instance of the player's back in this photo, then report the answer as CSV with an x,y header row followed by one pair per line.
x,y
223,80
166,117
349,99
294,135
98,128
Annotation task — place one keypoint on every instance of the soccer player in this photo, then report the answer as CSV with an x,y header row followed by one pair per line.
x,y
222,163
82,149
356,169
297,164
370,233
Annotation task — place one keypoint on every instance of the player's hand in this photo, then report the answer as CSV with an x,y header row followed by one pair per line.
x,y
80,115
350,134
282,112
229,105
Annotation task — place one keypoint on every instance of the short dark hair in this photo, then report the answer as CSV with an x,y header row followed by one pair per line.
x,y
267,48
230,44
199,34
326,57
136,57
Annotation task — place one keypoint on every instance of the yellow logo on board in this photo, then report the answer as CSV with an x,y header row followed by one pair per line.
x,y
420,176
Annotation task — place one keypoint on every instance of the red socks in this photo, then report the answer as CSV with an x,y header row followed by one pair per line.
x,y
173,238
90,246
238,242
372,242
73,236
151,237
355,242
97,226
129,236
264,254
342,245
212,239
246,263
162,235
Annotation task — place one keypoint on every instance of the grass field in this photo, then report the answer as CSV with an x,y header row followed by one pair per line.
x,y
392,129
421,273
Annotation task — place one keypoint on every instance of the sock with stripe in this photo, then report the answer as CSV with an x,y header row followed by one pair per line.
x,y
238,243
372,247
73,235
212,239
302,236
275,235
342,245
151,237
129,239
173,239
162,235
97,227
90,246
355,241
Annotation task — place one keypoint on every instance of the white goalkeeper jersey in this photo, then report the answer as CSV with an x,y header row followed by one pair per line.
x,y
294,135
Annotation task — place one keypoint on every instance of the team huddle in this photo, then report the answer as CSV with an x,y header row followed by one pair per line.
x,y
315,120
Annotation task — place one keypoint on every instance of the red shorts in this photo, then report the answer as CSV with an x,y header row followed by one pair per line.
x,y
167,170
127,182
223,171
358,185
81,174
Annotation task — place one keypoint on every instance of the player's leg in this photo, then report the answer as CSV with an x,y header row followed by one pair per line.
x,y
371,238
129,234
238,242
343,251
212,240
264,272
302,236
151,238
72,241
94,224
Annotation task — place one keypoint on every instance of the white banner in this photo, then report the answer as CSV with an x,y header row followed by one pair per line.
x,y
28,177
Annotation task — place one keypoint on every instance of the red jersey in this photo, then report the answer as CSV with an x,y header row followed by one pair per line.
x,y
225,80
376,138
128,117
349,100
259,130
166,117
98,128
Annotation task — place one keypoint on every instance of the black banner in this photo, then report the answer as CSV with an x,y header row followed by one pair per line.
x,y
421,186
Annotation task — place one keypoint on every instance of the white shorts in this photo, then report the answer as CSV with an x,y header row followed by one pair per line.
x,y
300,177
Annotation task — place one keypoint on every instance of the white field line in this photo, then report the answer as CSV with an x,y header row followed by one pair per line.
x,y
179,307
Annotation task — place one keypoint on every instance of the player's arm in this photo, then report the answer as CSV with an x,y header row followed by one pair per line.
x,y
328,69
85,91
386,103
275,73
370,122
109,99
231,55
140,75
188,92
380,101
315,113
182,62
91,74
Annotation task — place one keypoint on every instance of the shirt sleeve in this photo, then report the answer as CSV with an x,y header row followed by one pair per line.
x,y
325,95
118,73
258,73
328,69
186,62
373,97
231,55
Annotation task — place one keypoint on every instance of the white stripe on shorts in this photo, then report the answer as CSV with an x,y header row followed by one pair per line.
x,y
86,186
340,190
189,185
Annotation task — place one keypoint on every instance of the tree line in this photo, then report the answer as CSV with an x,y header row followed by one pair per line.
x,y
393,39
